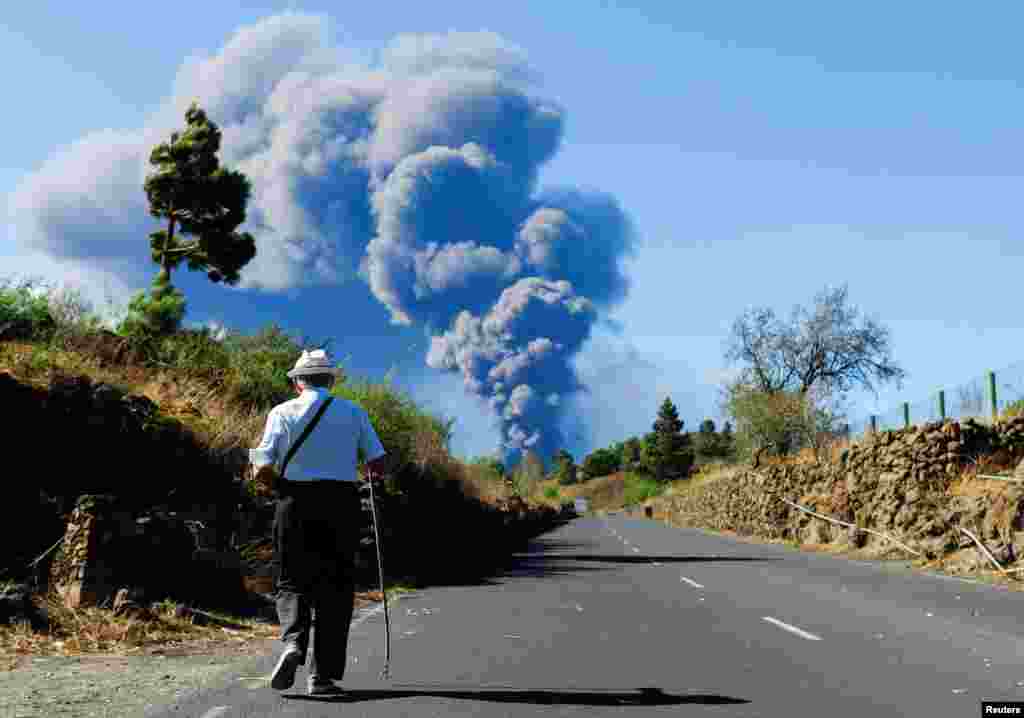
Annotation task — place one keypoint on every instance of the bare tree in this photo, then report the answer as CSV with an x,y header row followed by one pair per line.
x,y
794,374
829,345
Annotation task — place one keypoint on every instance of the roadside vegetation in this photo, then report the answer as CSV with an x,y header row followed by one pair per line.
x,y
97,630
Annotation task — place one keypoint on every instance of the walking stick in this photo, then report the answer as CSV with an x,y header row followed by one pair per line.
x,y
385,674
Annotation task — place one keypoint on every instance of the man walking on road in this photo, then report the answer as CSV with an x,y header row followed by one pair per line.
x,y
318,518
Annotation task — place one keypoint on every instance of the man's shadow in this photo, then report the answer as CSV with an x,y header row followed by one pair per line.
x,y
638,697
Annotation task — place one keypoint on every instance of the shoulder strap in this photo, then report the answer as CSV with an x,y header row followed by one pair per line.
x,y
305,432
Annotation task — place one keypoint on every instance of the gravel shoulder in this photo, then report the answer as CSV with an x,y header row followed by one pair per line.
x,y
127,685
139,683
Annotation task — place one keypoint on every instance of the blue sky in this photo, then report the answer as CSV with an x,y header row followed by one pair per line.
x,y
761,151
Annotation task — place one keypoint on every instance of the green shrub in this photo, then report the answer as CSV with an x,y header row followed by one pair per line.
x,y
20,306
416,442
489,468
158,314
638,489
552,492
528,473
74,317
257,367
566,472
601,462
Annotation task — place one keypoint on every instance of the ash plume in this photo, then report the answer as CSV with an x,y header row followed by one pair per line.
x,y
417,173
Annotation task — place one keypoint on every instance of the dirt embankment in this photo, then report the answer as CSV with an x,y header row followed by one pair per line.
x,y
918,485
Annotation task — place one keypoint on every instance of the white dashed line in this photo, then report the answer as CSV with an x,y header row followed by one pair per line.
x,y
656,563
792,629
636,549
216,712
684,579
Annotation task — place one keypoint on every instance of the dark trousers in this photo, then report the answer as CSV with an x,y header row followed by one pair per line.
x,y
316,534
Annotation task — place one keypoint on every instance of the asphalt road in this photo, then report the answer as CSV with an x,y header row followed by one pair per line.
x,y
624,616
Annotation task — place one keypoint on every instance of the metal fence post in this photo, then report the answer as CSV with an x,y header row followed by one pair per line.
x,y
992,394
942,404
874,424
906,414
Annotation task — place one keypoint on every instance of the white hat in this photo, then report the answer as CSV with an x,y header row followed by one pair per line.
x,y
314,362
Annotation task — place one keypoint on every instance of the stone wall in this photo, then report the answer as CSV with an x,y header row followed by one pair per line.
x,y
902,483
82,437
77,437
107,548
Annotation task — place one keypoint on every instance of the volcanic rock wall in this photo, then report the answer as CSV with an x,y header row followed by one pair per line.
x,y
77,438
904,483
107,547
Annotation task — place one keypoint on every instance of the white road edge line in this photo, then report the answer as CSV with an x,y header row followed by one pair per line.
x,y
792,629
216,712
368,614
692,583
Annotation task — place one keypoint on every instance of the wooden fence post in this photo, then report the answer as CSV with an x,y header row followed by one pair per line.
x,y
992,394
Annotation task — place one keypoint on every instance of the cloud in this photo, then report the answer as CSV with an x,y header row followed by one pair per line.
x,y
417,174
86,202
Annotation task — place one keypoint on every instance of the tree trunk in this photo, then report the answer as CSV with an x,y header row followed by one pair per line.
x,y
164,277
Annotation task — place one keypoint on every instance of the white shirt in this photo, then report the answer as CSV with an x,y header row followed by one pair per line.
x,y
330,450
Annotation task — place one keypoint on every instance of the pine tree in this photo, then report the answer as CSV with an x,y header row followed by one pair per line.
x,y
565,468
671,456
631,454
203,205
727,440
707,444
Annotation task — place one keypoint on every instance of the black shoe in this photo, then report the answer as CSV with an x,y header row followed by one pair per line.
x,y
284,672
320,687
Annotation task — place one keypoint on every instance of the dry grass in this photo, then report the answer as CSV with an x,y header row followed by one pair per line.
x,y
202,408
92,631
707,474
97,630
609,493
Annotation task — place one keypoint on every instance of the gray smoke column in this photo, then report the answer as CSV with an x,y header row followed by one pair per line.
x,y
517,357
417,173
